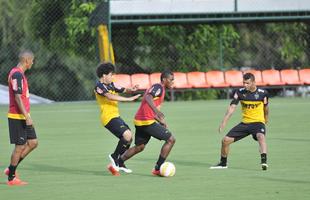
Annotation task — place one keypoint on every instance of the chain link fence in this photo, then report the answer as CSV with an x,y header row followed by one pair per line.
x,y
67,54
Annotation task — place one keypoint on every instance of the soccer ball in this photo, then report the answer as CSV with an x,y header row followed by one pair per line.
x,y
167,169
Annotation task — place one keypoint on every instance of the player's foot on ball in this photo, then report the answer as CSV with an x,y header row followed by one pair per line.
x,y
122,167
219,166
155,172
113,170
114,162
16,181
7,172
264,166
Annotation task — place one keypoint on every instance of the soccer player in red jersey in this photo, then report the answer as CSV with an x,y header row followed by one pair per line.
x,y
150,121
21,129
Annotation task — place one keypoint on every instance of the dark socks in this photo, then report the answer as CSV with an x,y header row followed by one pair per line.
x,y
12,170
223,160
121,147
263,158
160,161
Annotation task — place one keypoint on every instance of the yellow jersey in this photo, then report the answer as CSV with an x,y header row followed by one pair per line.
x,y
252,104
108,108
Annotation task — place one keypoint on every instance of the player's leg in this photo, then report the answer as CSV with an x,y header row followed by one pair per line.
x,y
236,133
262,149
161,133
31,144
18,137
141,139
122,131
258,132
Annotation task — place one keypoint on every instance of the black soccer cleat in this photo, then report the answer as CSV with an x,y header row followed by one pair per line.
x,y
264,166
220,166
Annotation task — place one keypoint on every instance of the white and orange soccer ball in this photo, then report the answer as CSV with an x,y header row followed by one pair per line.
x,y
167,169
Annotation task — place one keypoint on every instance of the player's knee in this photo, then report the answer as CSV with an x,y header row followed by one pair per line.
x,y
260,137
227,140
140,148
33,144
127,136
171,140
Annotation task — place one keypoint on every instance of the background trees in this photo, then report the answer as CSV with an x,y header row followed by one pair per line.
x,y
66,47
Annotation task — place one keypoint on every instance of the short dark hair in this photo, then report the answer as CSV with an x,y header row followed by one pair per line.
x,y
165,74
248,76
104,68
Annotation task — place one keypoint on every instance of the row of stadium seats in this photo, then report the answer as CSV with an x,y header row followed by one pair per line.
x,y
219,79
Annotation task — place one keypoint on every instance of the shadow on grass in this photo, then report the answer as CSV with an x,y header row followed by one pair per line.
x,y
282,180
291,139
61,169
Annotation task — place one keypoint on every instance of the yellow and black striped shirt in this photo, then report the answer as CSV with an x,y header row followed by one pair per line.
x,y
108,108
252,104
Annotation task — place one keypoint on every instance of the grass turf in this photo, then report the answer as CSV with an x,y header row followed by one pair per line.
x,y
70,162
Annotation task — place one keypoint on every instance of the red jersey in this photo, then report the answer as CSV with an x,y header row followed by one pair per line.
x,y
145,115
18,84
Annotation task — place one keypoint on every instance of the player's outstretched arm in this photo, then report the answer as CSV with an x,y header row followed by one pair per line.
x,y
115,97
231,109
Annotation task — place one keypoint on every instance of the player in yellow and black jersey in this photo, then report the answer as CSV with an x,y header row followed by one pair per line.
x,y
254,105
107,98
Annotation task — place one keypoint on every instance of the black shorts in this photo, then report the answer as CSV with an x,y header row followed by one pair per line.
x,y
20,132
117,127
242,130
144,133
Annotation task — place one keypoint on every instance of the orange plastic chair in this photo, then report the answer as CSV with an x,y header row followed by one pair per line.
x,y
290,77
304,75
122,80
180,81
234,78
197,80
143,80
258,76
272,77
216,79
155,78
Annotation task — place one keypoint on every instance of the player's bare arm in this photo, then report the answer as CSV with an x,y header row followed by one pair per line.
x,y
22,108
160,117
231,109
266,113
115,97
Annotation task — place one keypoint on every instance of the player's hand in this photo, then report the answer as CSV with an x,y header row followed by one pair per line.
x,y
160,115
162,122
221,127
134,88
134,97
29,121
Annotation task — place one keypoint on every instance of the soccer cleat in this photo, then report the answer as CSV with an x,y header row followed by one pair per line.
x,y
122,167
16,181
264,166
7,171
113,171
219,166
126,170
156,172
113,163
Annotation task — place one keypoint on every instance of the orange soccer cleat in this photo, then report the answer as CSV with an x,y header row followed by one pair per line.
x,y
16,181
113,171
156,172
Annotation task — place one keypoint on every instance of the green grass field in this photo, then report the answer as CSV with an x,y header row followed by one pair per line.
x,y
70,162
